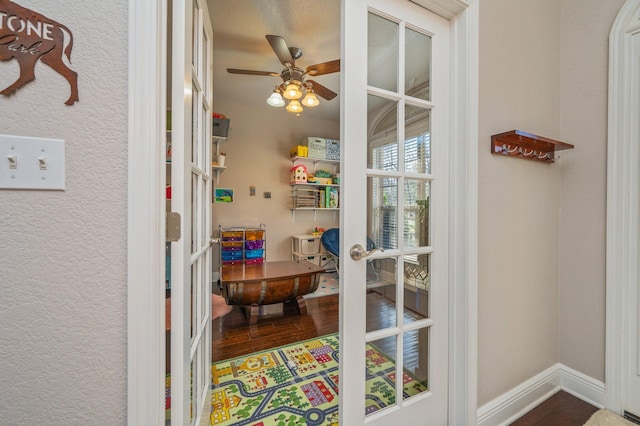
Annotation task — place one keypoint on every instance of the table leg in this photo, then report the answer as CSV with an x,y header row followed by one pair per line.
x,y
302,305
254,311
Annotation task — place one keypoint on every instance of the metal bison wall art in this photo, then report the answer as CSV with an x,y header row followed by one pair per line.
x,y
27,36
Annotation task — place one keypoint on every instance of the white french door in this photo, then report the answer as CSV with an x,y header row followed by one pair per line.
x,y
191,198
394,367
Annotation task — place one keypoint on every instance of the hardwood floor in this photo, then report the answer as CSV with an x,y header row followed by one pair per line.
x,y
562,409
233,337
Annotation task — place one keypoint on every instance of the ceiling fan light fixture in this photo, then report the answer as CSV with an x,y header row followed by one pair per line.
x,y
294,106
275,100
310,99
292,91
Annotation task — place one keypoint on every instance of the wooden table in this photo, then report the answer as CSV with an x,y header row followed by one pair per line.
x,y
251,286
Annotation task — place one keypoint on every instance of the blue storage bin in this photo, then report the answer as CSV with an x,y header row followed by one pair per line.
x,y
231,255
254,254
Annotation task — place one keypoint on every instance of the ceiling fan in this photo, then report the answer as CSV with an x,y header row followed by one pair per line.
x,y
294,80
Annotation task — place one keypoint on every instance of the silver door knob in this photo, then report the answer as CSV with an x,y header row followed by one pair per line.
x,y
213,241
358,252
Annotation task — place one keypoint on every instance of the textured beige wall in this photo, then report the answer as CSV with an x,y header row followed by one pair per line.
x,y
63,253
581,302
258,155
519,200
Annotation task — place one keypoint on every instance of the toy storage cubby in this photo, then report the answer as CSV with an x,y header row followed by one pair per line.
x,y
241,245
314,196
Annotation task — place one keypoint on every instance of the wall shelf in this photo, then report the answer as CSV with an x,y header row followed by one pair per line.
x,y
315,160
519,144
215,168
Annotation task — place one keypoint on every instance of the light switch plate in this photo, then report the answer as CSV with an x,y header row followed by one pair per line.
x,y
31,163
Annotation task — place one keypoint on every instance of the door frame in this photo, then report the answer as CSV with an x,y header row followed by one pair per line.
x,y
146,212
622,206
146,209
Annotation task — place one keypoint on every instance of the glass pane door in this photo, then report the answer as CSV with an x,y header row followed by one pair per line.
x,y
403,290
191,198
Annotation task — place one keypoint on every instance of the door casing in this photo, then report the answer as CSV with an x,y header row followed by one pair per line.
x,y
146,209
623,213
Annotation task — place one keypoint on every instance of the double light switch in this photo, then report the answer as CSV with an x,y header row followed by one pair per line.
x,y
31,163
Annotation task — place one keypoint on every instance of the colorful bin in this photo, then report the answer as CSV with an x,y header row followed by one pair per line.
x,y
253,244
254,234
254,254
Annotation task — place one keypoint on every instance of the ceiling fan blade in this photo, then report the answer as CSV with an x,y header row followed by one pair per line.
x,y
282,51
251,72
324,68
322,91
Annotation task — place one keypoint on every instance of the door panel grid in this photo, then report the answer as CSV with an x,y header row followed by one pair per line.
x,y
406,178
192,112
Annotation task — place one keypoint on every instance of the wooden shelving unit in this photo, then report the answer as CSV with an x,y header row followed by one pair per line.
x,y
519,144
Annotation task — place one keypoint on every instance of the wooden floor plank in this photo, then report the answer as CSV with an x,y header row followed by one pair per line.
x,y
562,409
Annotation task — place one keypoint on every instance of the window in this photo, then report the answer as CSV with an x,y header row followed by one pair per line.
x,y
416,193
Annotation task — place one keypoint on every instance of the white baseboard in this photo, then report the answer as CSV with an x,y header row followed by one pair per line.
x,y
582,386
518,401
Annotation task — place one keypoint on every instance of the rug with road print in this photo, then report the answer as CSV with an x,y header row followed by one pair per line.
x,y
296,385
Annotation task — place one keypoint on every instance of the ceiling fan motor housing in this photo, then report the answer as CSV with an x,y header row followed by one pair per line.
x,y
296,52
293,74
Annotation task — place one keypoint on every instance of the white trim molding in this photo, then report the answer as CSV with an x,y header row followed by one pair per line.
x,y
515,403
622,204
146,217
463,245
464,16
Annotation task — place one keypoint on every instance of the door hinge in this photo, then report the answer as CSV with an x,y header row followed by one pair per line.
x,y
173,227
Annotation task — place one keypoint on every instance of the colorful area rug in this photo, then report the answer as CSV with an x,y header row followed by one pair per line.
x,y
328,285
297,385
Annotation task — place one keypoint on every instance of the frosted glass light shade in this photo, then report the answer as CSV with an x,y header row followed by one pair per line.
x,y
292,92
310,100
275,100
294,106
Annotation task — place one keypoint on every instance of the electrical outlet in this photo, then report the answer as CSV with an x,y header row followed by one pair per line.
x,y
267,195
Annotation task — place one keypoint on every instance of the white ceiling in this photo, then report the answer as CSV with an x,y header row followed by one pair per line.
x,y
239,29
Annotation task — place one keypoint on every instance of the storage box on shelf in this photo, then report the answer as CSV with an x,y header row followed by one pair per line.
x,y
242,245
310,248
220,132
299,151
221,127
317,147
333,149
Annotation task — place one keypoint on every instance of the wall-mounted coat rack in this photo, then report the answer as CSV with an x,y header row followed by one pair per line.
x,y
517,143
